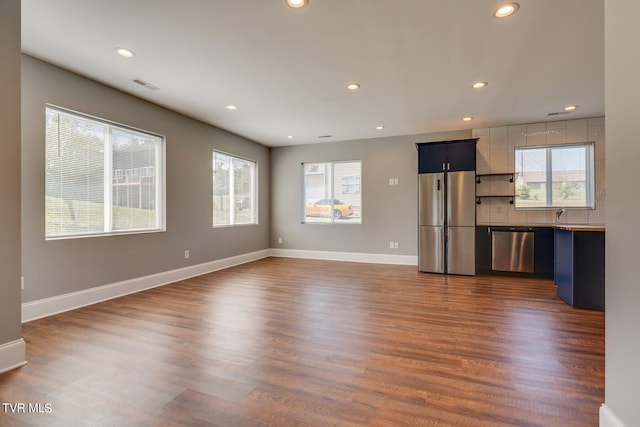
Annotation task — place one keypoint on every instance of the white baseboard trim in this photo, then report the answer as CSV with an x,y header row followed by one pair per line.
x,y
12,355
608,418
346,256
61,303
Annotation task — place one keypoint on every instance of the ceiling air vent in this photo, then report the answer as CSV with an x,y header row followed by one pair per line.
x,y
146,84
558,113
325,136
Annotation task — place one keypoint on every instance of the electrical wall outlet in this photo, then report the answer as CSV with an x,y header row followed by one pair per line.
x,y
22,282
279,240
186,254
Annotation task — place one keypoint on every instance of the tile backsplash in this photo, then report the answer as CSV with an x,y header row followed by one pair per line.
x,y
496,154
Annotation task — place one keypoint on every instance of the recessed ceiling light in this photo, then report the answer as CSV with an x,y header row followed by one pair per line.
x,y
124,52
231,107
353,86
289,136
506,9
296,4
379,127
570,107
467,119
479,85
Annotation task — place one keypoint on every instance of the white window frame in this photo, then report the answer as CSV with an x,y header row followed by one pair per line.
x,y
231,195
589,168
322,170
159,196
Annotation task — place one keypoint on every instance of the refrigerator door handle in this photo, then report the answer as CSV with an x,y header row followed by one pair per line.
x,y
438,185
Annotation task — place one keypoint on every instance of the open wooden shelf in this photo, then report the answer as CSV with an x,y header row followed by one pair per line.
x,y
479,201
479,180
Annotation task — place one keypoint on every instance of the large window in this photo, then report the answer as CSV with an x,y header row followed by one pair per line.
x,y
559,176
332,193
234,191
100,177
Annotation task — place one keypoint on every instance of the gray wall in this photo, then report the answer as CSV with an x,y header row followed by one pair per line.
x,y
10,329
389,213
622,62
61,266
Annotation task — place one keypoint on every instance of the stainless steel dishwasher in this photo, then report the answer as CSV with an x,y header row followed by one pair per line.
x,y
512,249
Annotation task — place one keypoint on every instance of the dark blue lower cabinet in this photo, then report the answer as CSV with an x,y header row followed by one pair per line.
x,y
563,273
579,268
543,251
483,249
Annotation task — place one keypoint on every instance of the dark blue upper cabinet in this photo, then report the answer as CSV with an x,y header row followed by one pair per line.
x,y
431,158
450,156
461,155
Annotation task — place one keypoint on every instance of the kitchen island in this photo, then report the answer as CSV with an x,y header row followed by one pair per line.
x,y
579,252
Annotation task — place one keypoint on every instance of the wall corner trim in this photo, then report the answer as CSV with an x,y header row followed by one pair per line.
x,y
608,418
12,355
58,304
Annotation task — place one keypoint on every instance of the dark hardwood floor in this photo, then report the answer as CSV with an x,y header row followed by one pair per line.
x,y
289,342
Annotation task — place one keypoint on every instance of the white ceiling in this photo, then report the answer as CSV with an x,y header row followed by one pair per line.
x,y
287,70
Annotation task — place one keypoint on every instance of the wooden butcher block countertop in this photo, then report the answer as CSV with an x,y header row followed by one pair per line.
x,y
580,227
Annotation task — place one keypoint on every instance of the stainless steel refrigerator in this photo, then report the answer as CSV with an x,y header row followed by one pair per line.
x,y
447,219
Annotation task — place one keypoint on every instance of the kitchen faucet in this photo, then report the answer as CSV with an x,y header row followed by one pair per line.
x,y
558,213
